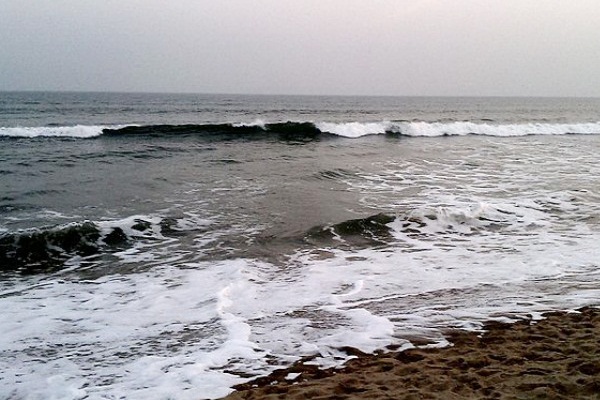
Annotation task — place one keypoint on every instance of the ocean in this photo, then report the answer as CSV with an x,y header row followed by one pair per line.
x,y
169,246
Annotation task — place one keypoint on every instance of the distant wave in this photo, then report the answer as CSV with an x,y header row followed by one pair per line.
x,y
78,131
471,128
311,130
458,128
283,130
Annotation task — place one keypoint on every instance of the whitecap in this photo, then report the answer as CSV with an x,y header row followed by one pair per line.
x,y
433,129
77,131
354,129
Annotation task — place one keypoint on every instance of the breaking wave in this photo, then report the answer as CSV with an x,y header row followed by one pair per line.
x,y
373,230
49,249
259,129
424,223
472,128
78,131
309,130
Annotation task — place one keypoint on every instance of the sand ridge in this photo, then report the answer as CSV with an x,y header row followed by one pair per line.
x,y
555,358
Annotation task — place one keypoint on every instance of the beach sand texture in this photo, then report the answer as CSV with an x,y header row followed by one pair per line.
x,y
555,358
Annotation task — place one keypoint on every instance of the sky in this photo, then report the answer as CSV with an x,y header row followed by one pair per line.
x,y
334,47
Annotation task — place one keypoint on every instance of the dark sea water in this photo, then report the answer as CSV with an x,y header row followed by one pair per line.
x,y
157,246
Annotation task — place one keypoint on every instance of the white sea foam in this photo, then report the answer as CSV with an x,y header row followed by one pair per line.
x,y
257,122
151,228
354,129
150,335
434,129
174,331
77,131
466,128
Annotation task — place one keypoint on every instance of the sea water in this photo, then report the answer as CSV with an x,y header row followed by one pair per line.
x,y
157,246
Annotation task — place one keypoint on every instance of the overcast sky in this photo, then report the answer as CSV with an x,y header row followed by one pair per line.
x,y
371,47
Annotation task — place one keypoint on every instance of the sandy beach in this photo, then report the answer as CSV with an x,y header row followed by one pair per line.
x,y
554,358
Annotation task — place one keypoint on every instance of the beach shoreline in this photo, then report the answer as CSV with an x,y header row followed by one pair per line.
x,y
557,357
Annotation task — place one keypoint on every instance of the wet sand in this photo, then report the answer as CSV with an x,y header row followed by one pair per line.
x,y
555,358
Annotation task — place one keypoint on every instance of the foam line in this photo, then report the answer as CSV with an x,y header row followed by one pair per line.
x,y
77,131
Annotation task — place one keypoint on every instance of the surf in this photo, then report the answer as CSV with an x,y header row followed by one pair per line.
x,y
308,130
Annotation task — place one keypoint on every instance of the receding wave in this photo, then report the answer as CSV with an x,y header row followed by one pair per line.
x,y
311,130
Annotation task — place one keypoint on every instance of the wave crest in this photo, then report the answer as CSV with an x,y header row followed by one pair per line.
x,y
457,128
48,249
356,129
433,129
77,131
370,231
257,129
309,130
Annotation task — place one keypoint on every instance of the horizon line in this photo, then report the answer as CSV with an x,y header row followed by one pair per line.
x,y
150,92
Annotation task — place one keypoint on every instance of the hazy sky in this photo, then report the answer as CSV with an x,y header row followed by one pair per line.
x,y
378,47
